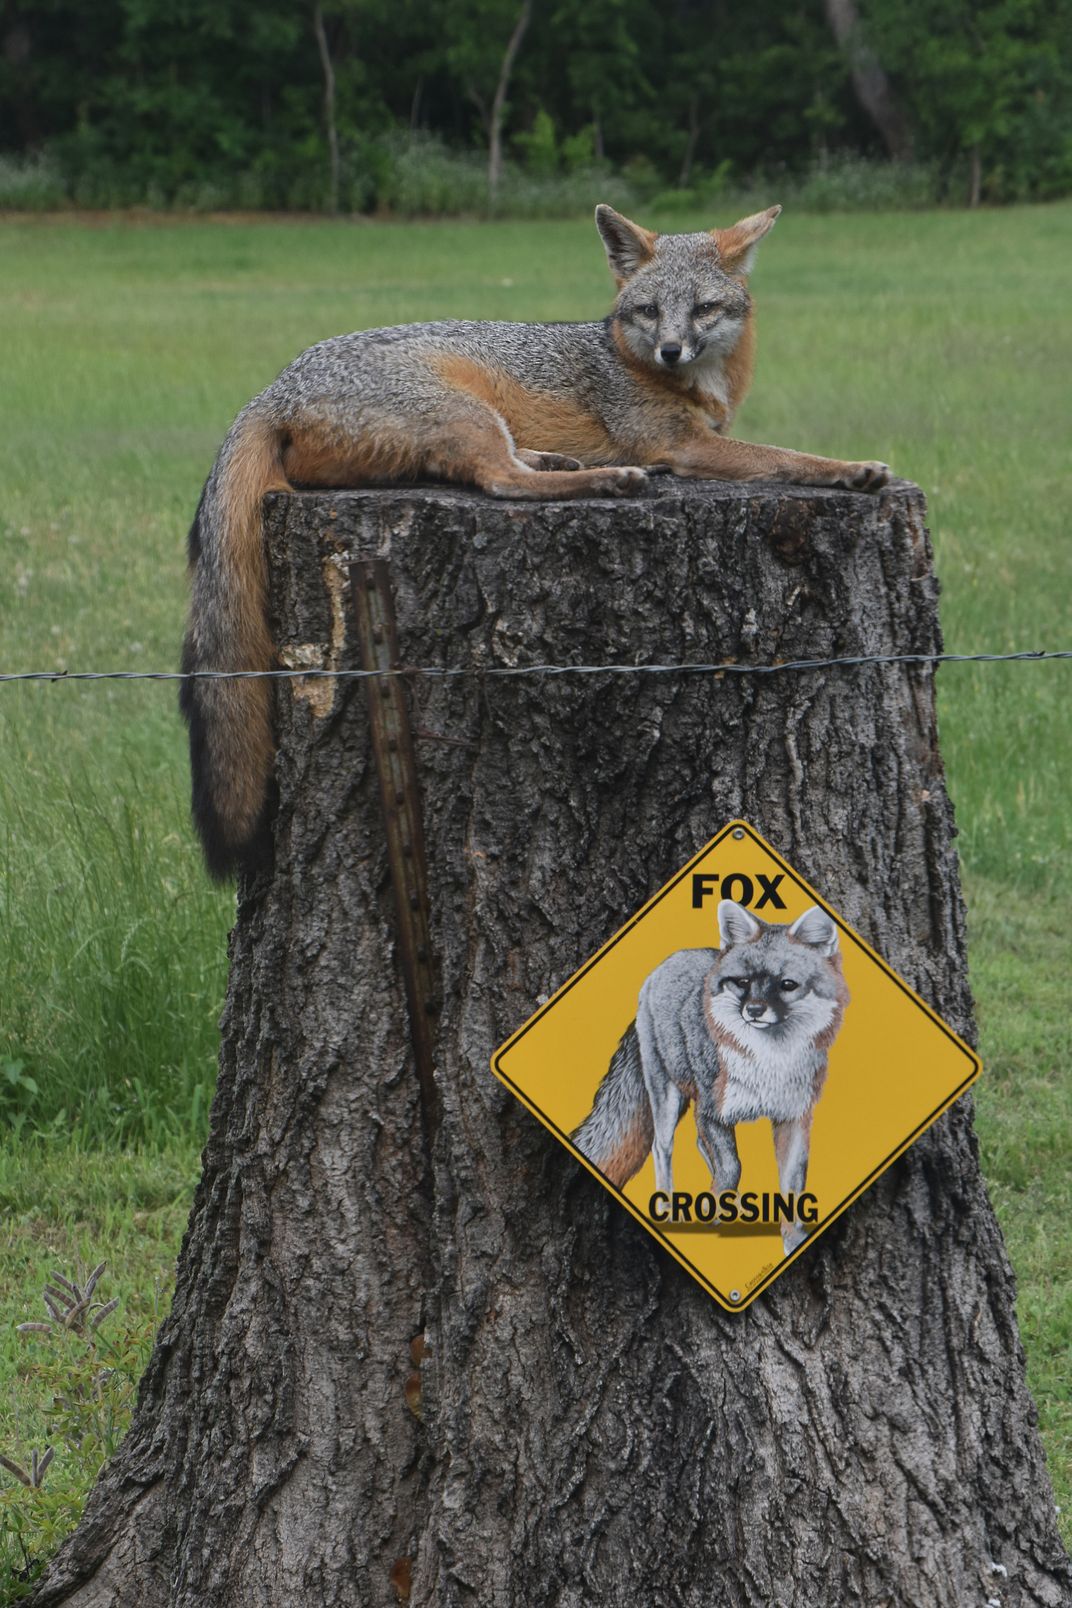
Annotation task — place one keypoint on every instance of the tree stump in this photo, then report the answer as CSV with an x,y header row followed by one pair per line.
x,y
416,1353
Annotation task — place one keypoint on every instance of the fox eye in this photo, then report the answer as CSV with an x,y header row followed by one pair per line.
x,y
702,309
648,310
738,982
787,985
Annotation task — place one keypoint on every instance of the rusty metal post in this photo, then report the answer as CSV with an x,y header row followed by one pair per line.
x,y
396,767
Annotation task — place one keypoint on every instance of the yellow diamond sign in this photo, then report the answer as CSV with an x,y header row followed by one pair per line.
x,y
736,1065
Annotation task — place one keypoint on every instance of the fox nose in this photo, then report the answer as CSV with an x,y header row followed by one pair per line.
x,y
670,353
754,1012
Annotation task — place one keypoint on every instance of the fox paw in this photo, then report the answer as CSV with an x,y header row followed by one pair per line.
x,y
618,482
863,476
793,1237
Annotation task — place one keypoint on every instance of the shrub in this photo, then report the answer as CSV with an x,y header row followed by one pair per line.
x,y
540,147
854,184
30,184
418,175
422,178
562,195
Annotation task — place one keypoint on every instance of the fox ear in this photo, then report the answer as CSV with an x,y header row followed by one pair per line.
x,y
736,925
737,245
629,246
816,929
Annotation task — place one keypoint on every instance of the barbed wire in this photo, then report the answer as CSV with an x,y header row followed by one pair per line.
x,y
477,672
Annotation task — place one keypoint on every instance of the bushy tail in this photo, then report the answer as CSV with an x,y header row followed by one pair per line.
x,y
616,1135
231,741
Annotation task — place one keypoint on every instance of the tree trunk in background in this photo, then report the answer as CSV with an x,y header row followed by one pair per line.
x,y
869,81
477,1381
498,105
691,142
329,108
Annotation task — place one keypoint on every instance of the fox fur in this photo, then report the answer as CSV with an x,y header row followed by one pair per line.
x,y
740,1033
518,410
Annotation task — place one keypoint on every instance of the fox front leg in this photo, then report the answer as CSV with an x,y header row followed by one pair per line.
x,y
666,1098
711,456
717,1144
667,1107
791,1145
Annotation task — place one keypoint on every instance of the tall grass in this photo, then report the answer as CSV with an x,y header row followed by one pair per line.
x,y
112,959
63,1209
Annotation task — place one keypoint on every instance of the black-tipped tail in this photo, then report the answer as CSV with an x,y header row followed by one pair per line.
x,y
617,1133
225,856
232,744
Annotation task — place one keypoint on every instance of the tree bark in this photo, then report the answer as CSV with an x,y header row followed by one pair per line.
x,y
473,1380
870,82
691,142
328,70
498,105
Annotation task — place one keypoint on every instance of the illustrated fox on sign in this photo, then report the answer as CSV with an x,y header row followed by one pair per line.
x,y
518,410
742,1032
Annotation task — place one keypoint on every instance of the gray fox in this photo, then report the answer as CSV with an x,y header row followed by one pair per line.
x,y
518,410
742,1032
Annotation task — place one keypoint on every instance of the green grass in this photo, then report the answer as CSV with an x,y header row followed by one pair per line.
x,y
938,341
1020,957
65,1210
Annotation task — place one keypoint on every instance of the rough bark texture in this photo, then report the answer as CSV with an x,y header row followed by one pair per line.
x,y
593,1429
498,104
327,67
870,82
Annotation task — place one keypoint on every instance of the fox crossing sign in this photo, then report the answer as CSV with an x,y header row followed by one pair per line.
x,y
736,1065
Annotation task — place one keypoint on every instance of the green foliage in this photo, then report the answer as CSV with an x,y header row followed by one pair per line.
x,y
221,103
828,184
1021,958
578,151
423,178
84,1374
540,146
100,1038
18,1093
30,184
993,79
853,184
59,1206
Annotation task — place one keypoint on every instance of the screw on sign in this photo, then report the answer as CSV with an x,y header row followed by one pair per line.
x,y
736,1065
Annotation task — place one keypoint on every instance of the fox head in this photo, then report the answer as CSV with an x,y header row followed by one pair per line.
x,y
776,982
681,297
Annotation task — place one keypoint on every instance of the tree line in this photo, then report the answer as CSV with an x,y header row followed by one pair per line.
x,y
323,102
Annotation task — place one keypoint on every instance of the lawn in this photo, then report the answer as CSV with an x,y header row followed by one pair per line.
x,y
939,342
